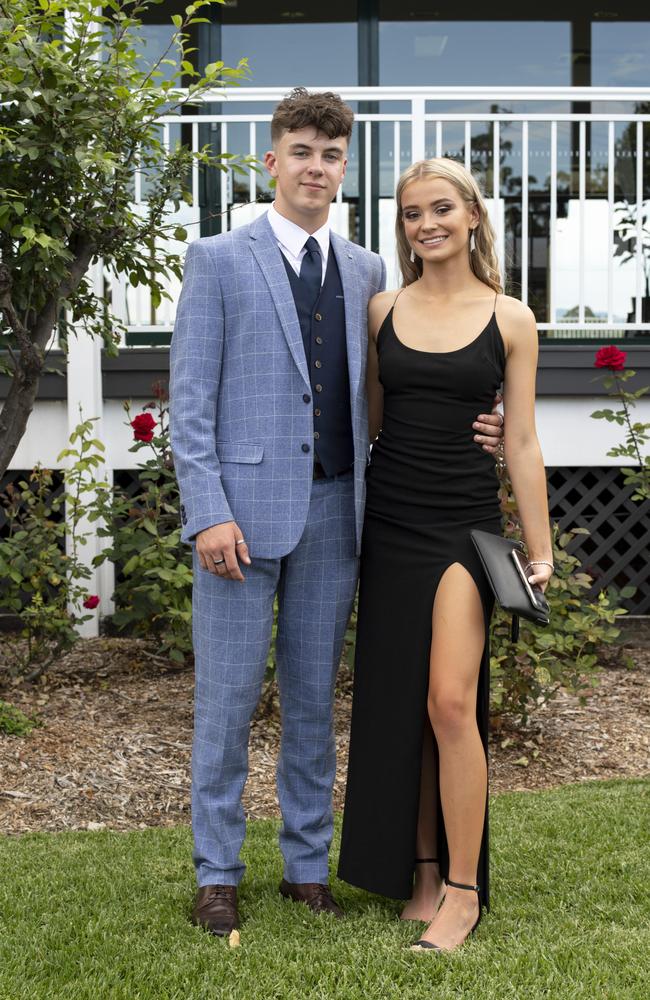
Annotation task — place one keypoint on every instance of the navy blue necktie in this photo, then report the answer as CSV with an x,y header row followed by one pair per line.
x,y
311,269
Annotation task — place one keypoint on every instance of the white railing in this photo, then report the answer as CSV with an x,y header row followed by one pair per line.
x,y
587,288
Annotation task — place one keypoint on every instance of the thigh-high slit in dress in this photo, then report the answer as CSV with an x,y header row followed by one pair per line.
x,y
429,484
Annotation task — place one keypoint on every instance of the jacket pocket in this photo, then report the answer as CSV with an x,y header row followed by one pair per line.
x,y
228,451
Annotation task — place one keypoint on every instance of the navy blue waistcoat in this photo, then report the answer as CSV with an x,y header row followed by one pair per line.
x,y
323,336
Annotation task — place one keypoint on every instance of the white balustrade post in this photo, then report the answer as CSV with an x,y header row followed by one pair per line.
x,y
84,377
418,128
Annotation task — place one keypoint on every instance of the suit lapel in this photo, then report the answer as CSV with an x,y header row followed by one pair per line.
x,y
268,256
355,309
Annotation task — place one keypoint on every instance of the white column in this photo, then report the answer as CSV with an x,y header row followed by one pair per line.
x,y
84,372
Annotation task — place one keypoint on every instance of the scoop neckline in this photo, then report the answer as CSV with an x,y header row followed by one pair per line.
x,y
417,350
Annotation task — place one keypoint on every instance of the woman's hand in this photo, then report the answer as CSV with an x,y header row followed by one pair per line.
x,y
541,574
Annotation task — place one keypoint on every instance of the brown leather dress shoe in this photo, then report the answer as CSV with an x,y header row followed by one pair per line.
x,y
318,897
215,909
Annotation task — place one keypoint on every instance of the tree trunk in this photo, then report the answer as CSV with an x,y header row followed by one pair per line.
x,y
16,410
30,356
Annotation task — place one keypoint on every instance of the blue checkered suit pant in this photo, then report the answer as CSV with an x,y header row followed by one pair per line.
x,y
315,584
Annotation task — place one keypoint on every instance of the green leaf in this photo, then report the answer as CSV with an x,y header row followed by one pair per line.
x,y
177,20
130,565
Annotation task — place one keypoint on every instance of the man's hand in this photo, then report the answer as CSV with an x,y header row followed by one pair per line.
x,y
219,549
490,428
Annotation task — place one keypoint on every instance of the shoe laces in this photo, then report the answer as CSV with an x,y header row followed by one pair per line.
x,y
221,892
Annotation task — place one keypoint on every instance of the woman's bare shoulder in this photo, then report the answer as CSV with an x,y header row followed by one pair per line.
x,y
516,321
378,309
382,300
514,311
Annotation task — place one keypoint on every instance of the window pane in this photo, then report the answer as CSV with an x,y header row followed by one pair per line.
x,y
475,53
312,55
620,54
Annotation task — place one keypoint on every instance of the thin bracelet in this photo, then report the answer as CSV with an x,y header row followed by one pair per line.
x,y
541,562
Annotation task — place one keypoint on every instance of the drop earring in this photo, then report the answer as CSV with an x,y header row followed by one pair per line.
x,y
412,256
472,242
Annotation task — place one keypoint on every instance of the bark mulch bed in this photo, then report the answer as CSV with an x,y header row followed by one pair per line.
x,y
113,745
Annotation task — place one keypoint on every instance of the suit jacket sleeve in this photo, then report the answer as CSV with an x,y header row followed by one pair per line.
x,y
195,370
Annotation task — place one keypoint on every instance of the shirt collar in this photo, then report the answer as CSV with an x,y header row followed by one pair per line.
x,y
293,237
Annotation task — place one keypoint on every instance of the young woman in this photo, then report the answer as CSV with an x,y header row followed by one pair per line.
x,y
415,822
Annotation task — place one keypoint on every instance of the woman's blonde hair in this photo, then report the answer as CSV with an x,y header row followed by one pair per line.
x,y
483,260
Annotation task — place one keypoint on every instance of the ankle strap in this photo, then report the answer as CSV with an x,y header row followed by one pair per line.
x,y
461,885
426,861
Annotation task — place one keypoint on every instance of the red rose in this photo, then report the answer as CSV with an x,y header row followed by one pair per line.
x,y
610,357
91,602
143,426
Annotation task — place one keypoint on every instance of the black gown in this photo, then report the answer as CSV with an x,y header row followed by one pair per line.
x,y
429,483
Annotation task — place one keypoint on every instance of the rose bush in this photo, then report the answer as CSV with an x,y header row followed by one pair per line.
x,y
43,577
637,434
153,589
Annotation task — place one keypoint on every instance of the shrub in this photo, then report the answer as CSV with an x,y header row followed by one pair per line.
x,y
43,576
529,673
153,591
13,722
637,434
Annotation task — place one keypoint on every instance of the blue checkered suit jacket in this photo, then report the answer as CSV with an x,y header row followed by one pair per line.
x,y
241,414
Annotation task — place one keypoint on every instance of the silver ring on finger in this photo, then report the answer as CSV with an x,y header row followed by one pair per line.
x,y
218,562
240,541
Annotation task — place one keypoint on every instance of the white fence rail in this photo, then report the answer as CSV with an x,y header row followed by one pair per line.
x,y
556,232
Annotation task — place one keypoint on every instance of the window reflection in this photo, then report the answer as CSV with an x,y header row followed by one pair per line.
x,y
620,54
293,54
465,53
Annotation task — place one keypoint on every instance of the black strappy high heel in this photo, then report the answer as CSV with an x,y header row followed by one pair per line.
x,y
423,945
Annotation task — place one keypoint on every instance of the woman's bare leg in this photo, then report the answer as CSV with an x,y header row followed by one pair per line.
x,y
458,640
428,888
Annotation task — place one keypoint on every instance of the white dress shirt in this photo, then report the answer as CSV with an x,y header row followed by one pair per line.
x,y
291,239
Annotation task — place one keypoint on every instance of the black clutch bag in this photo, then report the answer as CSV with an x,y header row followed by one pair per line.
x,y
503,561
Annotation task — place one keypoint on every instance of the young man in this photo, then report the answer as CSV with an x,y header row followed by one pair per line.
x,y
270,438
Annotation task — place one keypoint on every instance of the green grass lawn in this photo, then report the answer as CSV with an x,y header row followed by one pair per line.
x,y
97,916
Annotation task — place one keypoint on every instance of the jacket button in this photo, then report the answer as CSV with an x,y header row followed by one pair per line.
x,y
305,448
319,340
306,398
318,364
318,388
318,317
317,413
316,435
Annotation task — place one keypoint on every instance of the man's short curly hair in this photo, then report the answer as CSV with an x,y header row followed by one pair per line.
x,y
324,111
